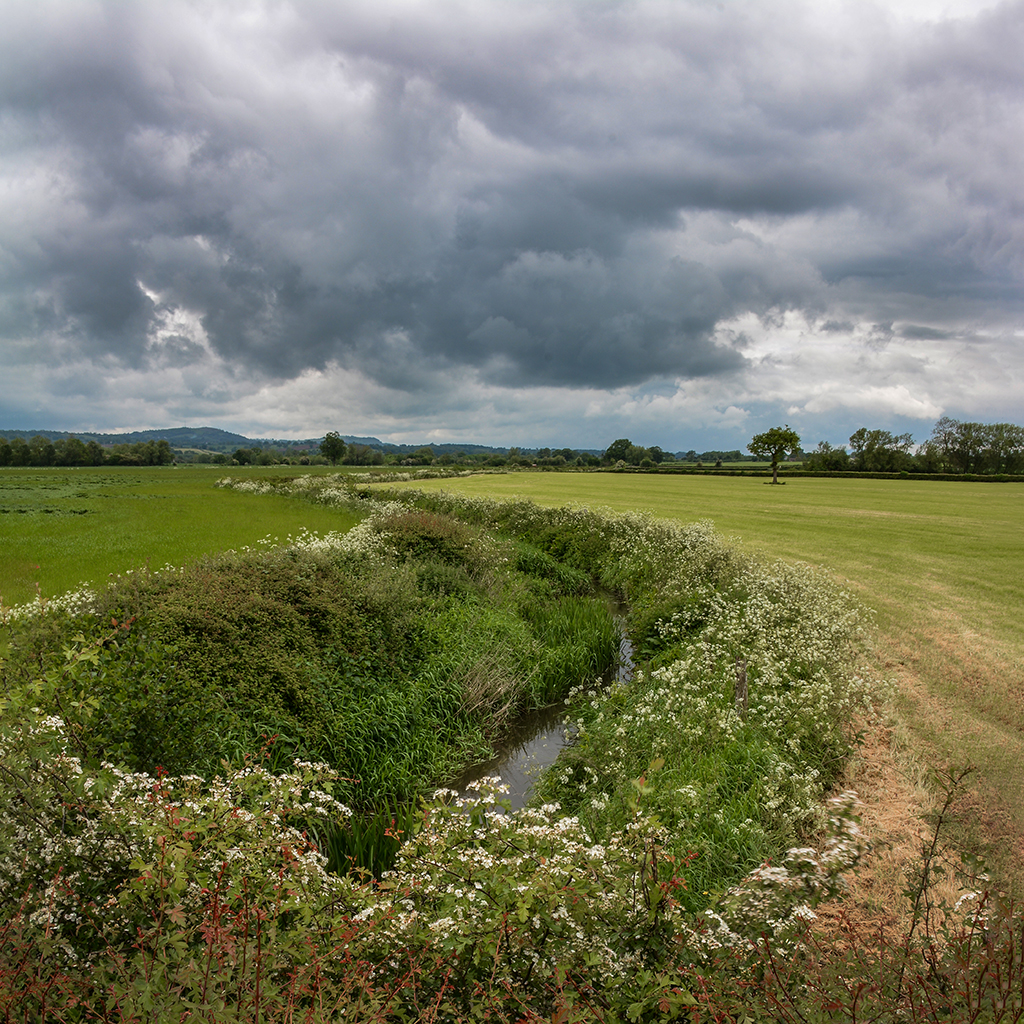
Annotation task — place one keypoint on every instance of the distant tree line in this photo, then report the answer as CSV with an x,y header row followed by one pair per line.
x,y
545,458
554,458
70,451
623,450
335,450
954,447
713,456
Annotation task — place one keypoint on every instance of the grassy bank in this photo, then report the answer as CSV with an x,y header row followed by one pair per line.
x,y
394,652
739,789
675,792
635,889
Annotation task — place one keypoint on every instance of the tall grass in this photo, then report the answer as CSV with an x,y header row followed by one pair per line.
x,y
579,640
397,653
937,562
367,844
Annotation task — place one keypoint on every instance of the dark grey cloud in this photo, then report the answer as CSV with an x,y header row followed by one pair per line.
x,y
919,332
537,194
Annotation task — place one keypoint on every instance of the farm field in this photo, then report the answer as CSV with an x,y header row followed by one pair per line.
x,y
939,562
314,646
63,527
905,546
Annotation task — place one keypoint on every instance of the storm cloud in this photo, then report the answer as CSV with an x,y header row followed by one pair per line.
x,y
420,218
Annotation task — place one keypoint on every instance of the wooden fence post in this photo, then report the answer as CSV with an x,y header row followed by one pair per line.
x,y
740,692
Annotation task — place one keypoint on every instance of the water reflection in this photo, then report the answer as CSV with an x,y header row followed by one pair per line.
x,y
535,742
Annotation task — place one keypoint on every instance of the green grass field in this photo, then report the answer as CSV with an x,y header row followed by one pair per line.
x,y
63,527
902,544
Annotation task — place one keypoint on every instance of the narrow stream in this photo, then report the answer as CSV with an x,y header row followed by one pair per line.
x,y
536,741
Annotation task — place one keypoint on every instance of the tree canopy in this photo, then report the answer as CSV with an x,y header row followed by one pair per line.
x,y
774,443
623,450
880,451
332,447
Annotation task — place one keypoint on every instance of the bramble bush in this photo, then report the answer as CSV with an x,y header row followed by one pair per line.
x,y
131,897
210,904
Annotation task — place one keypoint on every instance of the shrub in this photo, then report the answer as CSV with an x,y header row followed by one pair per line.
x,y
394,652
130,897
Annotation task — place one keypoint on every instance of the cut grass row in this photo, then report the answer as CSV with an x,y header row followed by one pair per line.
x,y
938,561
63,527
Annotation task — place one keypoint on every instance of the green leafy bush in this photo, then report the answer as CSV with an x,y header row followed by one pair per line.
x,y
163,894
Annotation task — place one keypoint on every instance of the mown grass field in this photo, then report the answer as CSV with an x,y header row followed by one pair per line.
x,y
906,546
941,563
63,527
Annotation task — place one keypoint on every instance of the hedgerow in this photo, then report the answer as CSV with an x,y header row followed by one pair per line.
x,y
162,896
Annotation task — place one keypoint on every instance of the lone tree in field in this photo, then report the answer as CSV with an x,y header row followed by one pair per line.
x,y
332,447
775,442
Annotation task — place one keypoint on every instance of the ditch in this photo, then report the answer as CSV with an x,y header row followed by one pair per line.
x,y
536,739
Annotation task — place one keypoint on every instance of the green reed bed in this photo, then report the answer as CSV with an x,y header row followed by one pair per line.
x,y
367,844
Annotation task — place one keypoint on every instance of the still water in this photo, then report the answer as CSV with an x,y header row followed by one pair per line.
x,y
535,742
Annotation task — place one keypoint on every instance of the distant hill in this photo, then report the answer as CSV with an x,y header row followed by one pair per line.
x,y
176,437
213,439
438,449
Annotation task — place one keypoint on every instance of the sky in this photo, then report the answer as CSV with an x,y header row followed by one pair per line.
x,y
512,222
